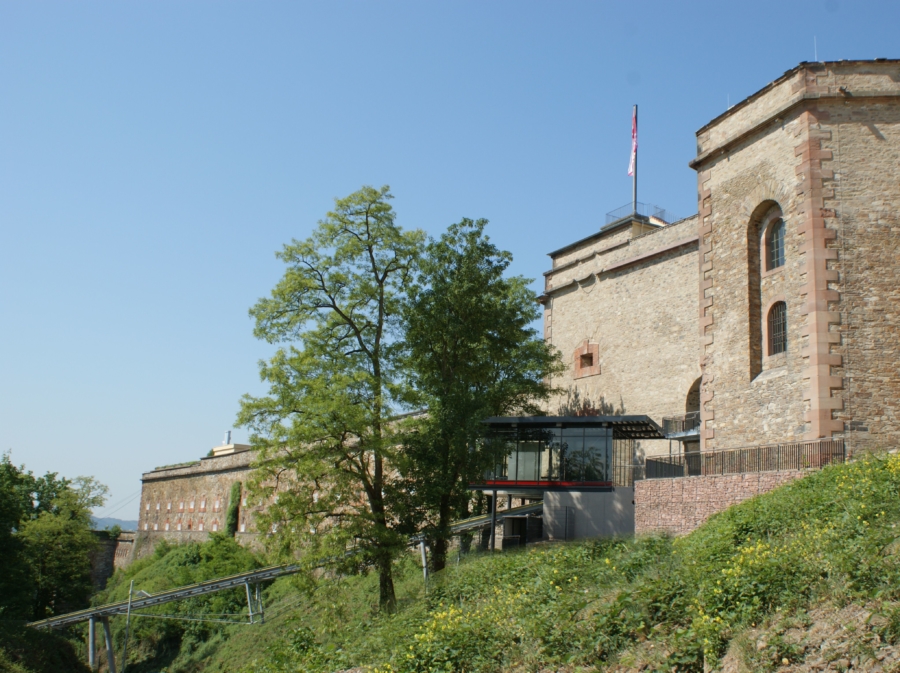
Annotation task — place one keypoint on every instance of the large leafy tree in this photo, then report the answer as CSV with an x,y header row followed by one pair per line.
x,y
472,353
16,585
58,544
45,541
324,434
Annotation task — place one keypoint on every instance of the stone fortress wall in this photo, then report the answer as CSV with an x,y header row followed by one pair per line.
x,y
187,502
821,145
626,297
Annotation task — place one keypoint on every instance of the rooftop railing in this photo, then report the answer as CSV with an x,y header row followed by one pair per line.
x,y
646,210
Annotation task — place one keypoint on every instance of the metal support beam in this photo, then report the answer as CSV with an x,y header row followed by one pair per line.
x,y
92,643
249,601
424,563
110,651
260,608
493,519
127,627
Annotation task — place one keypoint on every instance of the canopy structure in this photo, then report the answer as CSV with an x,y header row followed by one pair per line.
x,y
532,454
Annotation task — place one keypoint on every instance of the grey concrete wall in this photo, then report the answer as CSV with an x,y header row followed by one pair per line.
x,y
596,514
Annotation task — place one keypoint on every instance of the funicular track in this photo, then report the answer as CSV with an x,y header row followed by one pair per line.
x,y
244,579
178,594
133,606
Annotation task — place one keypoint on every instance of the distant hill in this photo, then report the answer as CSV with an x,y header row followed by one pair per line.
x,y
107,522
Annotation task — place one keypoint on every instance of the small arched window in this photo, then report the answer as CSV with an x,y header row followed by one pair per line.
x,y
778,328
775,245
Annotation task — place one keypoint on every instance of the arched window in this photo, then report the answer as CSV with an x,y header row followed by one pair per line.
x,y
775,245
778,328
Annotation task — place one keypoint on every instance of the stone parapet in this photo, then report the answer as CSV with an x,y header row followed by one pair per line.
x,y
604,254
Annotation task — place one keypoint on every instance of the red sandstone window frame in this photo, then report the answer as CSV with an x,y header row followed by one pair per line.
x,y
772,218
587,360
767,328
776,328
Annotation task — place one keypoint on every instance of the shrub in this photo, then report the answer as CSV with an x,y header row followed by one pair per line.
x,y
234,504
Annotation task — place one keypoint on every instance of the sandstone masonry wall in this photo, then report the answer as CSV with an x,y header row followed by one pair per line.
x,y
634,303
124,553
823,145
102,559
862,205
678,506
187,503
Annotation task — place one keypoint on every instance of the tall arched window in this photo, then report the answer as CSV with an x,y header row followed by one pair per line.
x,y
775,245
778,328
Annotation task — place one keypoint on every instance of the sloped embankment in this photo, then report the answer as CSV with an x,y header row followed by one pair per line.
x,y
753,589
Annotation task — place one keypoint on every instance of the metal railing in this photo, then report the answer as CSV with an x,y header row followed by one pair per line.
x,y
767,458
674,425
645,210
626,475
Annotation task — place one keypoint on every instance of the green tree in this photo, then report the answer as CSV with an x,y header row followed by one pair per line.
x,y
57,545
15,581
45,541
334,388
28,495
472,353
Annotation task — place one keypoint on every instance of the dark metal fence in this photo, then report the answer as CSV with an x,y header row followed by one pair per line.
x,y
674,424
626,475
772,457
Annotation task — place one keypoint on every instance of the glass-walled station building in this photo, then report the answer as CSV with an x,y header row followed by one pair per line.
x,y
581,468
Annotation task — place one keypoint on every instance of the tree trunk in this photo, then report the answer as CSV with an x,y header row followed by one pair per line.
x,y
442,541
387,600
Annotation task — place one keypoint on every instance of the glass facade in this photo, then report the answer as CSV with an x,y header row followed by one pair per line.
x,y
546,457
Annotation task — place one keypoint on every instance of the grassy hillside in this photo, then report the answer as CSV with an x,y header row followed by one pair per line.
x,y
831,538
752,579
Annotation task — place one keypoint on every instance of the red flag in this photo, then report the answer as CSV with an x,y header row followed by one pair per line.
x,y
633,141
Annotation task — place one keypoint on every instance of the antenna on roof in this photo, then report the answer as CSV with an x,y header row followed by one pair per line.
x,y
227,437
815,50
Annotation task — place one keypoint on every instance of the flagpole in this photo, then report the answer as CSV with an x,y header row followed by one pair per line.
x,y
634,177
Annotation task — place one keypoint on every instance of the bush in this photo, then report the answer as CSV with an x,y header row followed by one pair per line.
x,y
24,650
173,643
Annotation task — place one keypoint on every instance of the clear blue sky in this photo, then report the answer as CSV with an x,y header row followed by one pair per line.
x,y
154,156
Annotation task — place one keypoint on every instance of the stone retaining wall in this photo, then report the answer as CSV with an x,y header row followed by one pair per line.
x,y
679,505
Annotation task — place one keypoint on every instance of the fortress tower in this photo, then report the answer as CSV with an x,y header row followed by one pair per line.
x,y
799,315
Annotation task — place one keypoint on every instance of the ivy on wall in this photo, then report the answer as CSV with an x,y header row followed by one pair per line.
x,y
234,504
